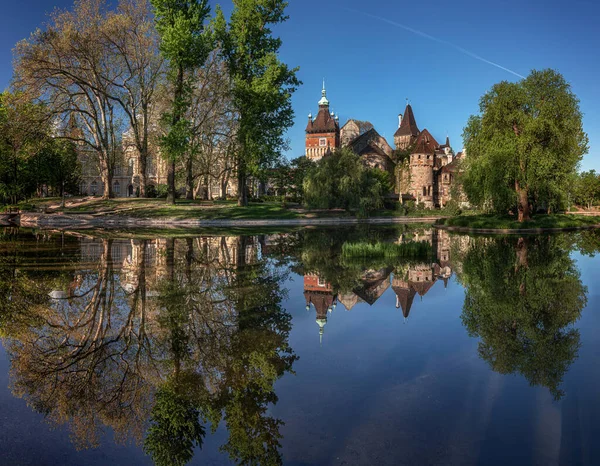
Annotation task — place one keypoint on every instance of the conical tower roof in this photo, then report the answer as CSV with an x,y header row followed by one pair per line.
x,y
408,127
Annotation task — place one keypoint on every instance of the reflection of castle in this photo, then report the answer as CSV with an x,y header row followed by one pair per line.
x,y
406,282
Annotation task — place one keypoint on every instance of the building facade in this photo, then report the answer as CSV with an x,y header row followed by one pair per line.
x,y
426,174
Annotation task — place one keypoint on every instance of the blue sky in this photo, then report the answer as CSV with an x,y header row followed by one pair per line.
x,y
371,65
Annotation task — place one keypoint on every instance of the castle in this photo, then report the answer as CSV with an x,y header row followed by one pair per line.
x,y
422,169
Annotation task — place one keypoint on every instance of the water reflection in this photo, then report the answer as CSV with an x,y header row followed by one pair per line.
x,y
164,340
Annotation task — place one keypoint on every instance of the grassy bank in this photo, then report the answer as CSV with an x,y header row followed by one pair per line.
x,y
505,222
193,209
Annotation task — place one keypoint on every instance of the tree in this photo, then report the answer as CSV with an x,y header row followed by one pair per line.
x,y
526,142
262,84
587,188
185,44
131,36
342,181
70,67
24,130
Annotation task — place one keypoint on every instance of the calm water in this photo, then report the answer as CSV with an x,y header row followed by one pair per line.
x,y
293,349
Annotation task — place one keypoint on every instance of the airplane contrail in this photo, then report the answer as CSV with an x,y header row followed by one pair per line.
x,y
435,39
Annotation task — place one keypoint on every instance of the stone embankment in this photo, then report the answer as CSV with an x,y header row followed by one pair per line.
x,y
81,221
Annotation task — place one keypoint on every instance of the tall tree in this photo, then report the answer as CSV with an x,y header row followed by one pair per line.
x,y
69,66
131,36
525,144
185,43
262,84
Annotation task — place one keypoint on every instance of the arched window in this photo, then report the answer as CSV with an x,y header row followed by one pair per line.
x,y
117,188
429,191
424,191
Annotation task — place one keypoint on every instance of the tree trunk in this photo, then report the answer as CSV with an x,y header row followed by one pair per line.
x,y
143,159
242,194
204,188
189,179
106,176
524,212
177,115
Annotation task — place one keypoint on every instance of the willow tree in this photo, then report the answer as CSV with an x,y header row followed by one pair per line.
x,y
525,144
262,84
185,43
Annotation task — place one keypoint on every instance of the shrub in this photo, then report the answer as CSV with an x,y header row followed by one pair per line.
x,y
150,191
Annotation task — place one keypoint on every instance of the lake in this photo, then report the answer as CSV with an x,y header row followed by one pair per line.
x,y
364,345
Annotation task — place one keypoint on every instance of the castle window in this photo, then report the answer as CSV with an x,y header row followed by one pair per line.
x,y
117,187
419,156
322,142
424,191
428,157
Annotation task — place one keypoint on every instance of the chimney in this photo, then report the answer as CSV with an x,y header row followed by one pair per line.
x,y
399,119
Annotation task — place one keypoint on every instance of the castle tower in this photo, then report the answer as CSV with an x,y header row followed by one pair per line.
x,y
422,161
323,132
407,131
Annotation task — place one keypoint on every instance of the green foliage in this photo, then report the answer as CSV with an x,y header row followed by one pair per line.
x,y
262,84
525,145
186,44
586,188
389,251
342,181
522,298
30,158
175,429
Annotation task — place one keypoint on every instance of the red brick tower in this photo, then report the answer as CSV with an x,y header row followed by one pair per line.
x,y
322,133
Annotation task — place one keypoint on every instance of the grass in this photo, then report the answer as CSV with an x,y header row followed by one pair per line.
x,y
409,250
505,222
194,209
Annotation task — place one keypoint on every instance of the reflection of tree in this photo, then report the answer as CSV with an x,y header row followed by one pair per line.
x,y
522,298
168,348
84,363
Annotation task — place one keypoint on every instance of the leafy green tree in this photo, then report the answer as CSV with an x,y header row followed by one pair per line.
x,y
185,43
299,168
525,143
587,188
24,129
342,181
262,84
522,298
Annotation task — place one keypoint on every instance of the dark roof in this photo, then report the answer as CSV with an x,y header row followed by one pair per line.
x,y
323,123
370,148
363,126
370,135
321,300
405,298
450,167
408,127
425,144
422,287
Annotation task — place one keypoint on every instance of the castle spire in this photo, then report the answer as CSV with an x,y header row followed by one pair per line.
x,y
324,101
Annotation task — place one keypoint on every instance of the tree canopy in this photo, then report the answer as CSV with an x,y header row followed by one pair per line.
x,y
341,180
525,144
262,85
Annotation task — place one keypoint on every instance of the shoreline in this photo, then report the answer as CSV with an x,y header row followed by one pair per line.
x,y
516,231
81,221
